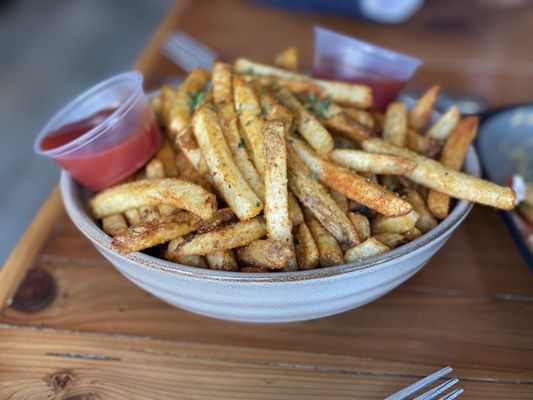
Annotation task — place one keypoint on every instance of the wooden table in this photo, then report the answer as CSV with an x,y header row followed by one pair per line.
x,y
78,330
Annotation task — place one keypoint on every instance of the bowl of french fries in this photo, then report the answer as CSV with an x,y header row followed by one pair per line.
x,y
278,197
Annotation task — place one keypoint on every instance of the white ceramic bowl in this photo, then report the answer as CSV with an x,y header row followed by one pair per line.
x,y
268,297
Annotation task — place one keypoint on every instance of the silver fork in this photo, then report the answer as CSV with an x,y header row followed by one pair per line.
x,y
188,52
432,393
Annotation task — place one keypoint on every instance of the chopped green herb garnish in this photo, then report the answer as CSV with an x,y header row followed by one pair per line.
x,y
195,99
322,106
294,134
258,204
213,108
239,108
248,122
241,144
261,92
249,71
316,177
266,107
313,98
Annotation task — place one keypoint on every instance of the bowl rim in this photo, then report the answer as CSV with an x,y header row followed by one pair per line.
x,y
81,219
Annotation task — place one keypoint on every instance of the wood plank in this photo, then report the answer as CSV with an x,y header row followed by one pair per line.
x,y
74,366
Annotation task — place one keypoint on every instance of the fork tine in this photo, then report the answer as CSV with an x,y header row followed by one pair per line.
x,y
188,52
452,395
415,387
197,53
183,56
433,393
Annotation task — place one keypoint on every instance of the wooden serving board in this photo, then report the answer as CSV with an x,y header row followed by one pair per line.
x,y
77,329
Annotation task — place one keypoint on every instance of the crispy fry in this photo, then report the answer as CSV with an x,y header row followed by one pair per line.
x,y
421,111
190,260
434,175
174,192
412,234
445,124
156,104
362,161
165,210
308,126
274,109
315,197
114,224
369,248
186,141
351,184
295,211
149,214
426,221
154,169
422,144
395,128
167,156
220,217
223,260
453,155
271,254
361,116
383,224
288,59
149,235
225,173
361,225
306,249
347,93
187,172
132,216
341,122
341,200
329,250
391,240
228,237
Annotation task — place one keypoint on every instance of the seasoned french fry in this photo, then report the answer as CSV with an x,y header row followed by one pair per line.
x,y
347,93
225,173
221,217
165,210
419,143
186,141
445,124
395,128
434,175
361,225
223,260
187,172
308,126
412,234
306,249
271,254
228,237
273,109
167,156
252,121
156,104
421,111
190,260
295,211
369,248
391,240
315,197
341,200
154,169
351,184
362,161
336,119
287,59
383,224
361,116
149,214
132,216
148,235
329,250
425,221
114,224
188,217
174,192
453,155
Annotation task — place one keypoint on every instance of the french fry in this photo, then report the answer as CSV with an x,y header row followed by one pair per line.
x,y
308,126
329,250
361,116
223,260
132,216
165,210
226,238
186,141
395,127
252,121
391,240
306,249
287,59
114,224
187,172
174,192
421,111
273,109
149,214
154,169
362,161
341,200
336,119
346,93
453,155
271,254
315,197
221,217
369,248
149,235
412,234
190,260
156,104
426,221
383,224
361,225
421,144
295,211
351,184
445,124
167,156
225,173
434,175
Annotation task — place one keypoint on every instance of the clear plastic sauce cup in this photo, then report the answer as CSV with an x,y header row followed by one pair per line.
x,y
104,135
345,58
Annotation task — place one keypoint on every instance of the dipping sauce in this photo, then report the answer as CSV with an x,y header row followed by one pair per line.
x,y
115,158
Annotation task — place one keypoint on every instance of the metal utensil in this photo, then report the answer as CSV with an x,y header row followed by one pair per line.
x,y
432,393
188,52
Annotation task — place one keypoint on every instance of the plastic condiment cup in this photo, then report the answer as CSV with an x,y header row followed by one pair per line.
x,y
342,57
105,134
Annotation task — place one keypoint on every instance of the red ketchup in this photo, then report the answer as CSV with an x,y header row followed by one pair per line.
x,y
104,167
